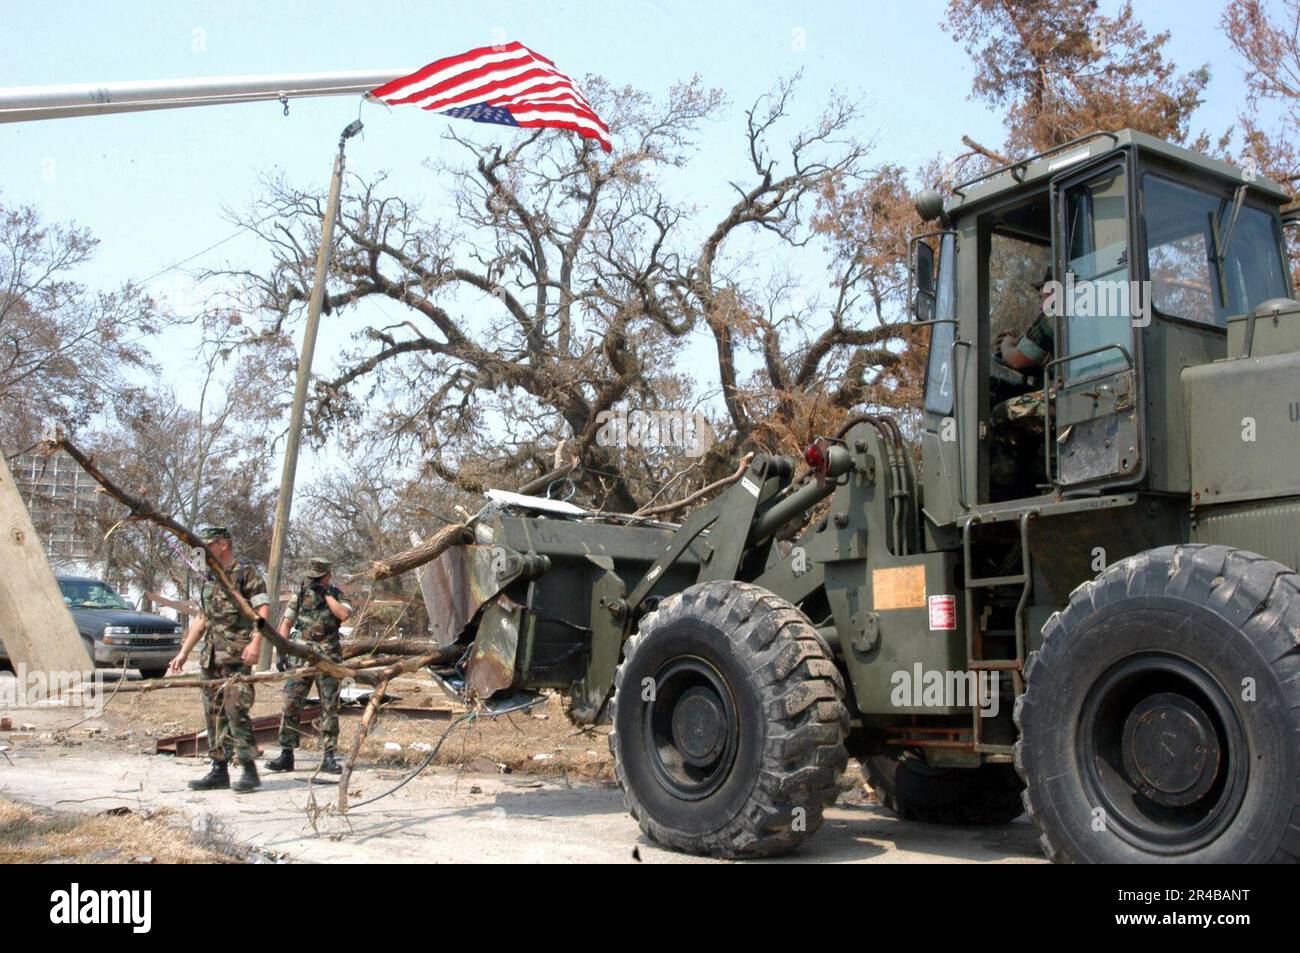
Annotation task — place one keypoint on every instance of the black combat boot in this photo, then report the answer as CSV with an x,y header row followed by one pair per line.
x,y
248,779
328,765
214,780
282,763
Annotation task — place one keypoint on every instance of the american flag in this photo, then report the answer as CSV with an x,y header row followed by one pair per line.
x,y
508,84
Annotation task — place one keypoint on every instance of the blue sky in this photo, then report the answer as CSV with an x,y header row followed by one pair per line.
x,y
153,186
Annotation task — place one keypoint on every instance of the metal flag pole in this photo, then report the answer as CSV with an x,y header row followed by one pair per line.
x,y
284,501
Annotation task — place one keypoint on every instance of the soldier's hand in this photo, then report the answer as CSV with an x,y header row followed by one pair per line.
x,y
249,655
176,664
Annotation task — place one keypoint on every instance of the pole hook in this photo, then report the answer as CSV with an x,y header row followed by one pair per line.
x,y
284,101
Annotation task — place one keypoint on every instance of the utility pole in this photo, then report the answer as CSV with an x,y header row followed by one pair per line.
x,y
284,502
63,649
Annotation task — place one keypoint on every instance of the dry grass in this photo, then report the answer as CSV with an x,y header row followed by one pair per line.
x,y
29,836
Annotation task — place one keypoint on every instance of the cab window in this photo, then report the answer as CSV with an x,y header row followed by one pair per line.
x,y
938,374
1097,309
1183,260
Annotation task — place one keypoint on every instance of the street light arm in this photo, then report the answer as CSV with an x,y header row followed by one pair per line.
x,y
31,103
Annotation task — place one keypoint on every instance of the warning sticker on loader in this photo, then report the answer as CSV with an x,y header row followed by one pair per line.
x,y
943,613
900,587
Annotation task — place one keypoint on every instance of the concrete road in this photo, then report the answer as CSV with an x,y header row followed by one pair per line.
x,y
446,816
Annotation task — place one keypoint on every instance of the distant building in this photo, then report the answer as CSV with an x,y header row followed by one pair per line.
x,y
69,516
64,507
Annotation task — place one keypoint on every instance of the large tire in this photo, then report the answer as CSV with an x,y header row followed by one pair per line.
x,y
915,791
1161,720
729,723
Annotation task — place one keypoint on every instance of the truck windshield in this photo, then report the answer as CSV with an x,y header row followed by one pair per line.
x,y
90,594
1181,253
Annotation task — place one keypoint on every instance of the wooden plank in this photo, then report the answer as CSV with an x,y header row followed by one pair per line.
x,y
35,625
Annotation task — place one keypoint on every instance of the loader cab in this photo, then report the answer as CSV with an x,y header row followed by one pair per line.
x,y
1147,250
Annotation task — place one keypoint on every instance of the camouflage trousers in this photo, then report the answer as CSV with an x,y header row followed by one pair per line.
x,y
1016,458
226,711
295,696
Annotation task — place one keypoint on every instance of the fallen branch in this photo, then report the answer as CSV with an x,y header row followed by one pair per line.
x,y
389,647
985,151
700,493
427,551
546,479
139,509
376,699
358,671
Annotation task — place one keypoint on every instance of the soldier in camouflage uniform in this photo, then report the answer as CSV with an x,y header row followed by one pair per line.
x,y
231,646
1016,426
318,613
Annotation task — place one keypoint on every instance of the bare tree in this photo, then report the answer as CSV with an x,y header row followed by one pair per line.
x,y
565,286
65,351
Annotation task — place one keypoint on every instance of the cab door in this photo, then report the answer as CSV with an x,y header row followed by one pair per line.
x,y
1094,436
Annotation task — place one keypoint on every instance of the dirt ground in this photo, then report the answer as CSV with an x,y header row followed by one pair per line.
x,y
539,741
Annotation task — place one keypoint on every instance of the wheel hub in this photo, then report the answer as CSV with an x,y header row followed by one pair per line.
x,y
698,726
1162,752
1170,749
691,728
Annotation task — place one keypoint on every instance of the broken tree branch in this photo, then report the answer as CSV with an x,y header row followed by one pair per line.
x,y
390,647
140,509
381,686
427,551
984,151
700,493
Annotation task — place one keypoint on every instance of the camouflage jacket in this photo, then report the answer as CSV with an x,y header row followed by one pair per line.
x,y
310,614
1038,342
226,631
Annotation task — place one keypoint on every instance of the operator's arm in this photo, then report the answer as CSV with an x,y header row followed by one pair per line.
x,y
192,636
1034,349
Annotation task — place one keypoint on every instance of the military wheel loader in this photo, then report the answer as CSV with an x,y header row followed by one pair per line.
x,y
1104,633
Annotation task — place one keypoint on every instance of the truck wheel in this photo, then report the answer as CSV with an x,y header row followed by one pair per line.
x,y
729,723
1161,719
916,791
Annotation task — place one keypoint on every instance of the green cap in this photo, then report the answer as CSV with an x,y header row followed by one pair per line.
x,y
210,534
318,567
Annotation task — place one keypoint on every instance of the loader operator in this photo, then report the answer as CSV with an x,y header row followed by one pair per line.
x,y
230,648
1016,464
318,611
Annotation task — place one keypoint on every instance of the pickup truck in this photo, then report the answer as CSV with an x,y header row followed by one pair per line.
x,y
117,636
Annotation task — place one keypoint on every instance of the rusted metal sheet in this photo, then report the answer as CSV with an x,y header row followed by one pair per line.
x,y
265,728
491,665
455,586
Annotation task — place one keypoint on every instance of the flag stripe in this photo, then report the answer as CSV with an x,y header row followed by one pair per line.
x,y
438,70
482,87
522,94
509,80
